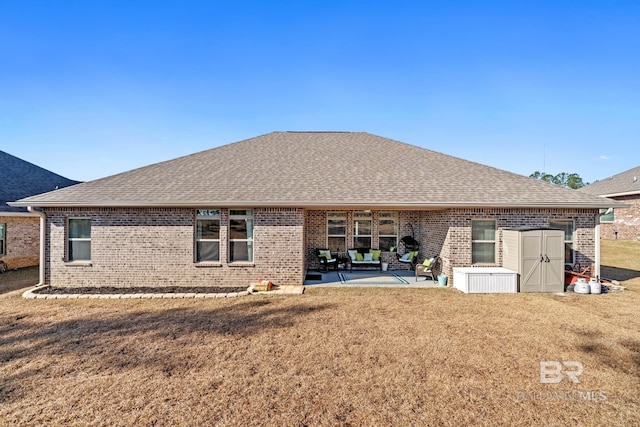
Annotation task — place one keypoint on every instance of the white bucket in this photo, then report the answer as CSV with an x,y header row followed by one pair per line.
x,y
581,286
595,286
385,266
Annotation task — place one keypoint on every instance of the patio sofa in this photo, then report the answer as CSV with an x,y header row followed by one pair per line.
x,y
365,257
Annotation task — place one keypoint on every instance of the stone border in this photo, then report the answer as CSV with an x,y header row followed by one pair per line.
x,y
284,290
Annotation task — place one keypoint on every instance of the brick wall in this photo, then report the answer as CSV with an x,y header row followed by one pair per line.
x,y
155,247
448,232
434,226
22,236
456,250
626,224
315,229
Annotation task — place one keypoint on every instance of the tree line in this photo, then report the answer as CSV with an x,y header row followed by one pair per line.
x,y
564,179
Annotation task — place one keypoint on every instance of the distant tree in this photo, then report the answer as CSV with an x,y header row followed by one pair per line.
x,y
568,180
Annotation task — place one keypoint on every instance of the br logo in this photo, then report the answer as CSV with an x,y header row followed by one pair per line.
x,y
552,372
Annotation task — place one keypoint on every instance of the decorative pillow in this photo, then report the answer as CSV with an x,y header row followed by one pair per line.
x,y
375,253
352,255
368,257
412,255
427,262
405,257
359,257
325,253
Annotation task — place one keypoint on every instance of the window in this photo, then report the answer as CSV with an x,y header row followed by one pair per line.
x,y
567,227
388,230
337,231
607,217
3,240
208,235
79,239
240,235
483,241
362,230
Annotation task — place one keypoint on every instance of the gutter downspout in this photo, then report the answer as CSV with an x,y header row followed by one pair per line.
x,y
597,242
43,223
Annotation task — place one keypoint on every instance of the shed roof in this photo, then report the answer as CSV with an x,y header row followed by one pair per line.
x,y
622,184
19,179
318,169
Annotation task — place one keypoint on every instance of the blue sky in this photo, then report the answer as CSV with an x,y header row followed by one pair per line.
x,y
92,88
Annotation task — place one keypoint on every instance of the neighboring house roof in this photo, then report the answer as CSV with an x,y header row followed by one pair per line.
x,y
318,169
623,184
19,179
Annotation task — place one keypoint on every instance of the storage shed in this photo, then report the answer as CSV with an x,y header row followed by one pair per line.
x,y
537,255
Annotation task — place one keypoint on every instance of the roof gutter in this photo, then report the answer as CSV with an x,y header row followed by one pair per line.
x,y
627,193
326,205
43,223
18,214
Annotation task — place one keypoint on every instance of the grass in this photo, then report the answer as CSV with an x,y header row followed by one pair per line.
x,y
356,356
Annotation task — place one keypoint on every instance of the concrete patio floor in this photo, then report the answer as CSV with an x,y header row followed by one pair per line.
x,y
363,278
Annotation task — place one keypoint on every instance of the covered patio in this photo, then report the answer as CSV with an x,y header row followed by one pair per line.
x,y
344,278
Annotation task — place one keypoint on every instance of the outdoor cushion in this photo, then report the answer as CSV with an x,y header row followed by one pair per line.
x,y
375,253
352,255
427,262
325,253
359,257
368,257
405,257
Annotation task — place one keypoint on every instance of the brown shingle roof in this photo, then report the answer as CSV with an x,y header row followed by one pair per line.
x,y
625,183
318,169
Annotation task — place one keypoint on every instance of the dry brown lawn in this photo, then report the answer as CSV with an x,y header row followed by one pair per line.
x,y
17,279
330,357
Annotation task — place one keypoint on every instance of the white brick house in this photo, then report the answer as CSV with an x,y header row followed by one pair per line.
x,y
259,208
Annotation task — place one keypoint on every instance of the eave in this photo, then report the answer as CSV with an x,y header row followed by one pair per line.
x,y
627,193
321,205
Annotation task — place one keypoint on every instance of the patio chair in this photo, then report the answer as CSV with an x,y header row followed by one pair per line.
x,y
411,250
410,259
326,259
429,268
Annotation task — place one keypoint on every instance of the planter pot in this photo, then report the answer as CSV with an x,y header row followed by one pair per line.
x,y
442,280
385,266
